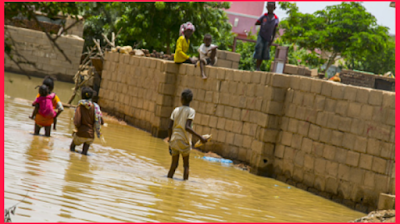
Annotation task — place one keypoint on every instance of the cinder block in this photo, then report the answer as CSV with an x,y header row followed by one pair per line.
x,y
305,84
316,86
224,63
290,69
279,80
379,179
237,75
256,77
235,65
286,138
379,165
386,201
257,146
314,132
362,95
389,99
337,138
390,117
353,158
279,151
231,56
309,162
354,110
344,124
348,141
366,161
326,89
344,172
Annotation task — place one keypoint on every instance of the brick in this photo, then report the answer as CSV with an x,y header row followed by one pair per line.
x,y
293,124
379,165
338,91
238,140
357,175
221,135
316,86
229,125
354,110
337,138
390,117
381,183
295,82
319,103
278,80
221,123
306,145
333,121
367,111
300,113
325,135
332,168
350,93
319,183
305,84
330,105
309,179
353,158
362,95
229,137
341,155
247,141
344,124
289,154
365,161
326,89
270,135
387,150
286,138
257,146
373,147
237,75
303,128
319,166
375,97
331,185
344,172
348,141
360,144
298,98
318,149
296,141
329,152
389,100
279,151
357,126
369,179
314,132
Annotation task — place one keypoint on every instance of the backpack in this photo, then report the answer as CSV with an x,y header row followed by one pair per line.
x,y
46,105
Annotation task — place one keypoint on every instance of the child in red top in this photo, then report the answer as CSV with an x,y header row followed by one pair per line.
x,y
44,103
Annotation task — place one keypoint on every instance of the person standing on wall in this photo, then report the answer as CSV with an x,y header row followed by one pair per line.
x,y
268,22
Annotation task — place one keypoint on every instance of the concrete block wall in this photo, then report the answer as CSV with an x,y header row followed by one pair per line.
x,y
338,141
227,59
36,48
332,139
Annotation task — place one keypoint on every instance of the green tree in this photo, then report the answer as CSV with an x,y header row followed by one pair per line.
x,y
156,25
379,63
344,30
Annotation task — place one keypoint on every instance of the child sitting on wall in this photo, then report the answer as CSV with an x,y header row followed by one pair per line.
x,y
179,133
183,43
87,121
207,53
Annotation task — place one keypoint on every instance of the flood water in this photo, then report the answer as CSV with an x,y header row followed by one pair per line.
x,y
124,180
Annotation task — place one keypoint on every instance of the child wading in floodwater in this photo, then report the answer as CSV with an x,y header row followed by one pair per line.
x,y
44,107
207,54
47,121
87,121
183,43
179,132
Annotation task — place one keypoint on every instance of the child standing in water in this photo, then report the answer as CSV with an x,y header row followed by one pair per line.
x,y
44,105
183,43
46,122
87,120
179,131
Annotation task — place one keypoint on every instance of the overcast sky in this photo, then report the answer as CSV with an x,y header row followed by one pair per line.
x,y
385,15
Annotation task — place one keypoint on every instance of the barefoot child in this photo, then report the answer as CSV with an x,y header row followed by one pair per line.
x,y
179,132
87,120
268,22
44,107
182,44
207,54
40,121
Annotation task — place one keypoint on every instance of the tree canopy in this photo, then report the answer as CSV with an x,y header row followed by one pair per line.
x,y
346,30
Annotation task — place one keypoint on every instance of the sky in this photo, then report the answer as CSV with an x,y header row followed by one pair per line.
x,y
385,15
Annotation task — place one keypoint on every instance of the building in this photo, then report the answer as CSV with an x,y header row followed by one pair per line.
x,y
243,16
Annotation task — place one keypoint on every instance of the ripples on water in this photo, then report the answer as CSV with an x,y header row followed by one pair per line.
x,y
124,180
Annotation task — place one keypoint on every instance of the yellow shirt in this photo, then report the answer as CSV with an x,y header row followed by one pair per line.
x,y
181,48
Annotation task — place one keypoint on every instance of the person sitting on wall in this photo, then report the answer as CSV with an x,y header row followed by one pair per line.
x,y
269,22
207,54
182,44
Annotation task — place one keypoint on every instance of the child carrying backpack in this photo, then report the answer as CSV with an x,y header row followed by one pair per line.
x,y
44,107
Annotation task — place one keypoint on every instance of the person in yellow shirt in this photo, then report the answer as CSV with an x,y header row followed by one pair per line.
x,y
182,44
46,122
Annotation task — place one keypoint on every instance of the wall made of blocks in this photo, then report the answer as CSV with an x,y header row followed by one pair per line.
x,y
227,59
329,138
36,48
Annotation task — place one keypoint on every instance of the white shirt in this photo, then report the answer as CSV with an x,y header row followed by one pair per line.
x,y
180,115
204,50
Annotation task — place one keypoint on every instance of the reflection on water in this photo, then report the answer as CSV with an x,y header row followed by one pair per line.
x,y
125,179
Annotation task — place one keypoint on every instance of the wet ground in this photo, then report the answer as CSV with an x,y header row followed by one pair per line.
x,y
124,179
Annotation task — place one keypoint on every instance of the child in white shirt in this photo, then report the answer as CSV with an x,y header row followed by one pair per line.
x,y
207,53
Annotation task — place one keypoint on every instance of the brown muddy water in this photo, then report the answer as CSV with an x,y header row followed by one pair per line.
x,y
124,180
